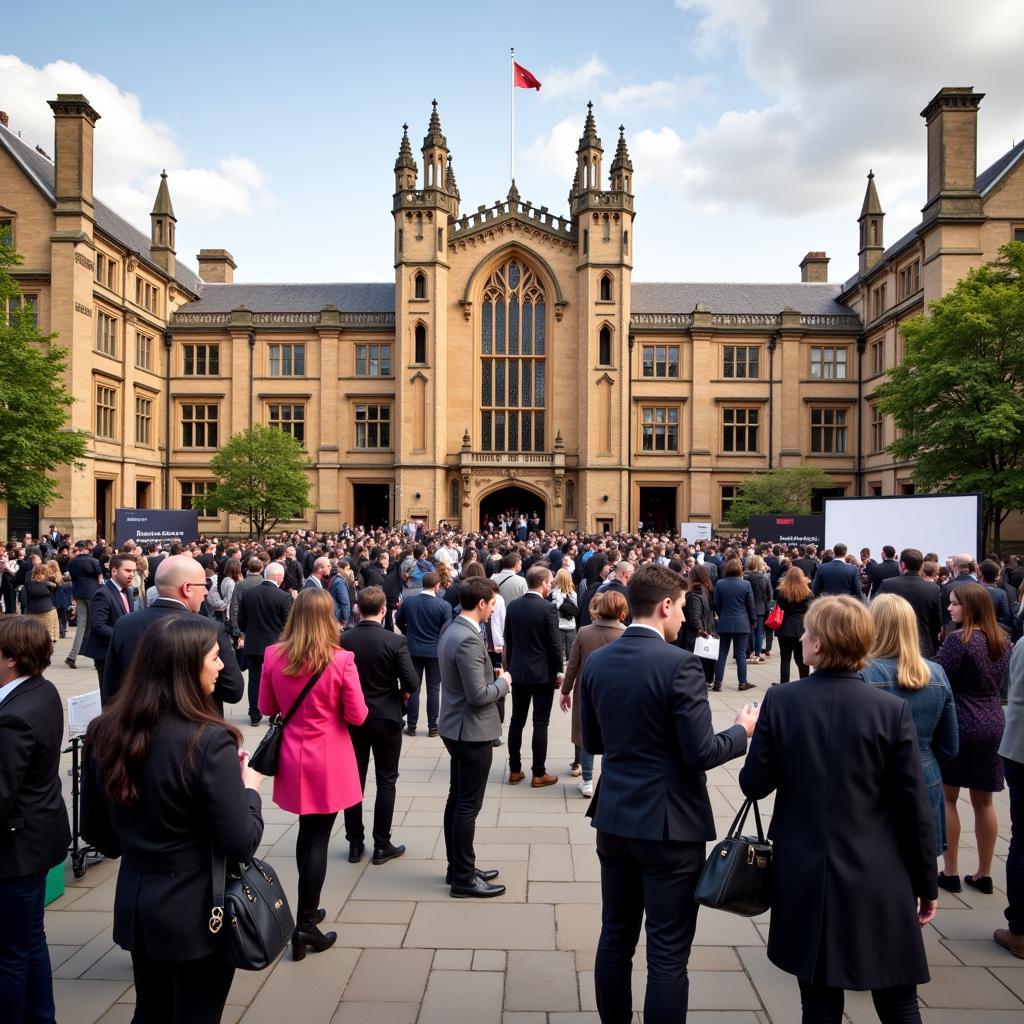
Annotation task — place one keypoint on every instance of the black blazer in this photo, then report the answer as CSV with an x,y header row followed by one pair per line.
x,y
838,578
808,565
187,804
887,569
85,573
926,600
384,666
699,617
128,636
533,645
644,706
853,831
293,577
34,830
105,608
261,616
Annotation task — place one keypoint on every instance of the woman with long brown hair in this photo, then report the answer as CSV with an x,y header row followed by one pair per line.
x,y
976,657
793,597
163,785
317,775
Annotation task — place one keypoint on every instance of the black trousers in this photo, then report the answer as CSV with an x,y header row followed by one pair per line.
x,y
429,670
470,764
542,697
823,1004
179,992
658,878
382,738
1014,913
311,858
255,665
26,990
789,645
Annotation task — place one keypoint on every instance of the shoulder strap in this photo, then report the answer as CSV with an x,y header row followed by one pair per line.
x,y
302,696
219,868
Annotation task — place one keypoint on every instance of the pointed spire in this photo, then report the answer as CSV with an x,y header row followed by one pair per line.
x,y
589,138
449,182
574,190
871,207
162,206
405,160
513,193
434,136
621,161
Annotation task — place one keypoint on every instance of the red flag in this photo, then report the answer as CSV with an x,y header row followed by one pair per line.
x,y
524,79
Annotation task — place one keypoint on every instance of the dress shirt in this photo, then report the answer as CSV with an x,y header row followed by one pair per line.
x,y
9,688
643,625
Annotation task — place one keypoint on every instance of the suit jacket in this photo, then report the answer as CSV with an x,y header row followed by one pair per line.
x,y
384,666
948,588
422,617
105,609
837,578
261,616
533,646
644,706
1000,605
84,571
882,571
852,827
734,604
293,578
127,638
246,583
612,584
187,805
469,691
926,600
34,830
808,565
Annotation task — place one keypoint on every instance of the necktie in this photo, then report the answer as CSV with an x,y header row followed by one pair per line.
x,y
124,598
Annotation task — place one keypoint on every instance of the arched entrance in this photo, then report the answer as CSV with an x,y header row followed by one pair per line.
x,y
512,500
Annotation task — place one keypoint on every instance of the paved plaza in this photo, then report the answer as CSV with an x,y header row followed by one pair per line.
x,y
409,954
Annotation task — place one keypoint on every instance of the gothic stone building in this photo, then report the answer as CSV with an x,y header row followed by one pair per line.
x,y
512,361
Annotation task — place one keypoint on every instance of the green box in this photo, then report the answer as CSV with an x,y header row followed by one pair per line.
x,y
54,883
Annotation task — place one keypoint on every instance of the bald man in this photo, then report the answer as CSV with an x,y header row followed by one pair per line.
x,y
261,618
181,587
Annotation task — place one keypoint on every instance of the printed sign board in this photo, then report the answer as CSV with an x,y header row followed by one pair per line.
x,y
694,532
787,529
163,525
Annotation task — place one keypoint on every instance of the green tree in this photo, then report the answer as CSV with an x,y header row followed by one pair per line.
x,y
34,404
787,491
958,395
261,476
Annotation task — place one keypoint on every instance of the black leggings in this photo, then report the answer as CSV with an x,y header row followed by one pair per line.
x,y
311,858
823,1004
790,647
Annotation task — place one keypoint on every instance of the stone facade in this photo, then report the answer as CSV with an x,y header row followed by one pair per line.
x,y
631,401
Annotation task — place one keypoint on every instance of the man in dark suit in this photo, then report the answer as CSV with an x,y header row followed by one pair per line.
x,y
887,569
921,595
643,705
33,816
808,564
989,575
617,581
319,571
838,577
533,657
422,617
85,574
964,565
387,677
112,601
293,577
181,588
261,617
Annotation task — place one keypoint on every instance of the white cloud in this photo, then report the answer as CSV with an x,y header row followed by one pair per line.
x,y
573,82
664,94
555,153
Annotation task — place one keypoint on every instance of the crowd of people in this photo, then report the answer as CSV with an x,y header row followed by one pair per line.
x,y
909,688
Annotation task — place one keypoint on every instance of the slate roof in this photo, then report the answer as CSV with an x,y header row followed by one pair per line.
x,y
294,298
112,224
659,297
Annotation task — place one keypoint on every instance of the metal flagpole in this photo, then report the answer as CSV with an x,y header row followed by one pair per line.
x,y
512,108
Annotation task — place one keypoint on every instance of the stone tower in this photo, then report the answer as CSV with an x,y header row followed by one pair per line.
x,y
162,224
870,221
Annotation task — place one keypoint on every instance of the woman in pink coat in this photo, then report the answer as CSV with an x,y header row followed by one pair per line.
x,y
317,776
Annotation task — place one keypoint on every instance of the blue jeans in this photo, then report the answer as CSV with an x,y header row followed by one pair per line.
x,y
586,764
1014,772
739,642
425,667
757,635
26,989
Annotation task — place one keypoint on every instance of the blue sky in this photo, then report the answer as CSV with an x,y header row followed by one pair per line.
x,y
751,124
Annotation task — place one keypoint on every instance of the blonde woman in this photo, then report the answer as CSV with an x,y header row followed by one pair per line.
x,y
318,775
565,599
896,666
757,576
39,590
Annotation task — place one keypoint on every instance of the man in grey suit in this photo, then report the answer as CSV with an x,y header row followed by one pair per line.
x,y
468,724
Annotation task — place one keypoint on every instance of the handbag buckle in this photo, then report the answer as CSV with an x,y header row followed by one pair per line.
x,y
216,919
750,855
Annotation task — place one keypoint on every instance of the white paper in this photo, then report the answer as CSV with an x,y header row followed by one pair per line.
x,y
81,711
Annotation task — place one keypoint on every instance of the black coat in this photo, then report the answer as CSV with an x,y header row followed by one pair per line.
x,y
261,616
887,569
384,666
127,638
644,706
533,644
187,805
947,588
699,617
793,613
105,609
926,600
293,577
808,565
34,830
852,827
613,584
85,573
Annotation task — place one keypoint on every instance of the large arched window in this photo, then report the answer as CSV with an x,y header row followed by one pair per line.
x,y
513,347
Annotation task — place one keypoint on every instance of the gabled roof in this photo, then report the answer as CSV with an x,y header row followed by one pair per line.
x,y
737,298
112,224
294,298
991,176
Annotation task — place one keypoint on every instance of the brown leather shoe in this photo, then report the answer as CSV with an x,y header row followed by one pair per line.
x,y
539,781
514,778
1008,940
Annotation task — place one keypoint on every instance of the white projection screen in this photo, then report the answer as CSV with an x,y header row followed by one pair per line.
x,y
947,524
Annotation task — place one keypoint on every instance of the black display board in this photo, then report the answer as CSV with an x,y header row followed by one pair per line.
x,y
163,525
787,530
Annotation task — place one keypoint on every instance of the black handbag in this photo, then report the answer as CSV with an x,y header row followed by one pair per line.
x,y
738,875
251,901
266,758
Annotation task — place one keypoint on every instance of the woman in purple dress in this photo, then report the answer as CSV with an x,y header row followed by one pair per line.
x,y
975,657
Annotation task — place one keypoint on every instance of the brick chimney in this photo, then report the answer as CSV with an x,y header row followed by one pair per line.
x,y
216,266
74,122
814,268
952,120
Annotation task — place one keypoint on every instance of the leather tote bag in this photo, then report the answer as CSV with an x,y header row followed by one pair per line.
x,y
738,875
266,758
775,617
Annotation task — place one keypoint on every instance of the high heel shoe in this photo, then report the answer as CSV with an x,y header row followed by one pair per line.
x,y
310,937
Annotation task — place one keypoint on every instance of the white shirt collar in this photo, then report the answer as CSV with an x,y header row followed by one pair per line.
x,y
9,688
643,625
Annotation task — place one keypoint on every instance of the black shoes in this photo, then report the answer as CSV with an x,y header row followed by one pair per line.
x,y
747,686
983,885
355,852
717,688
477,889
496,742
70,662
951,883
307,937
432,731
485,876
255,718
320,915
382,854
410,730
